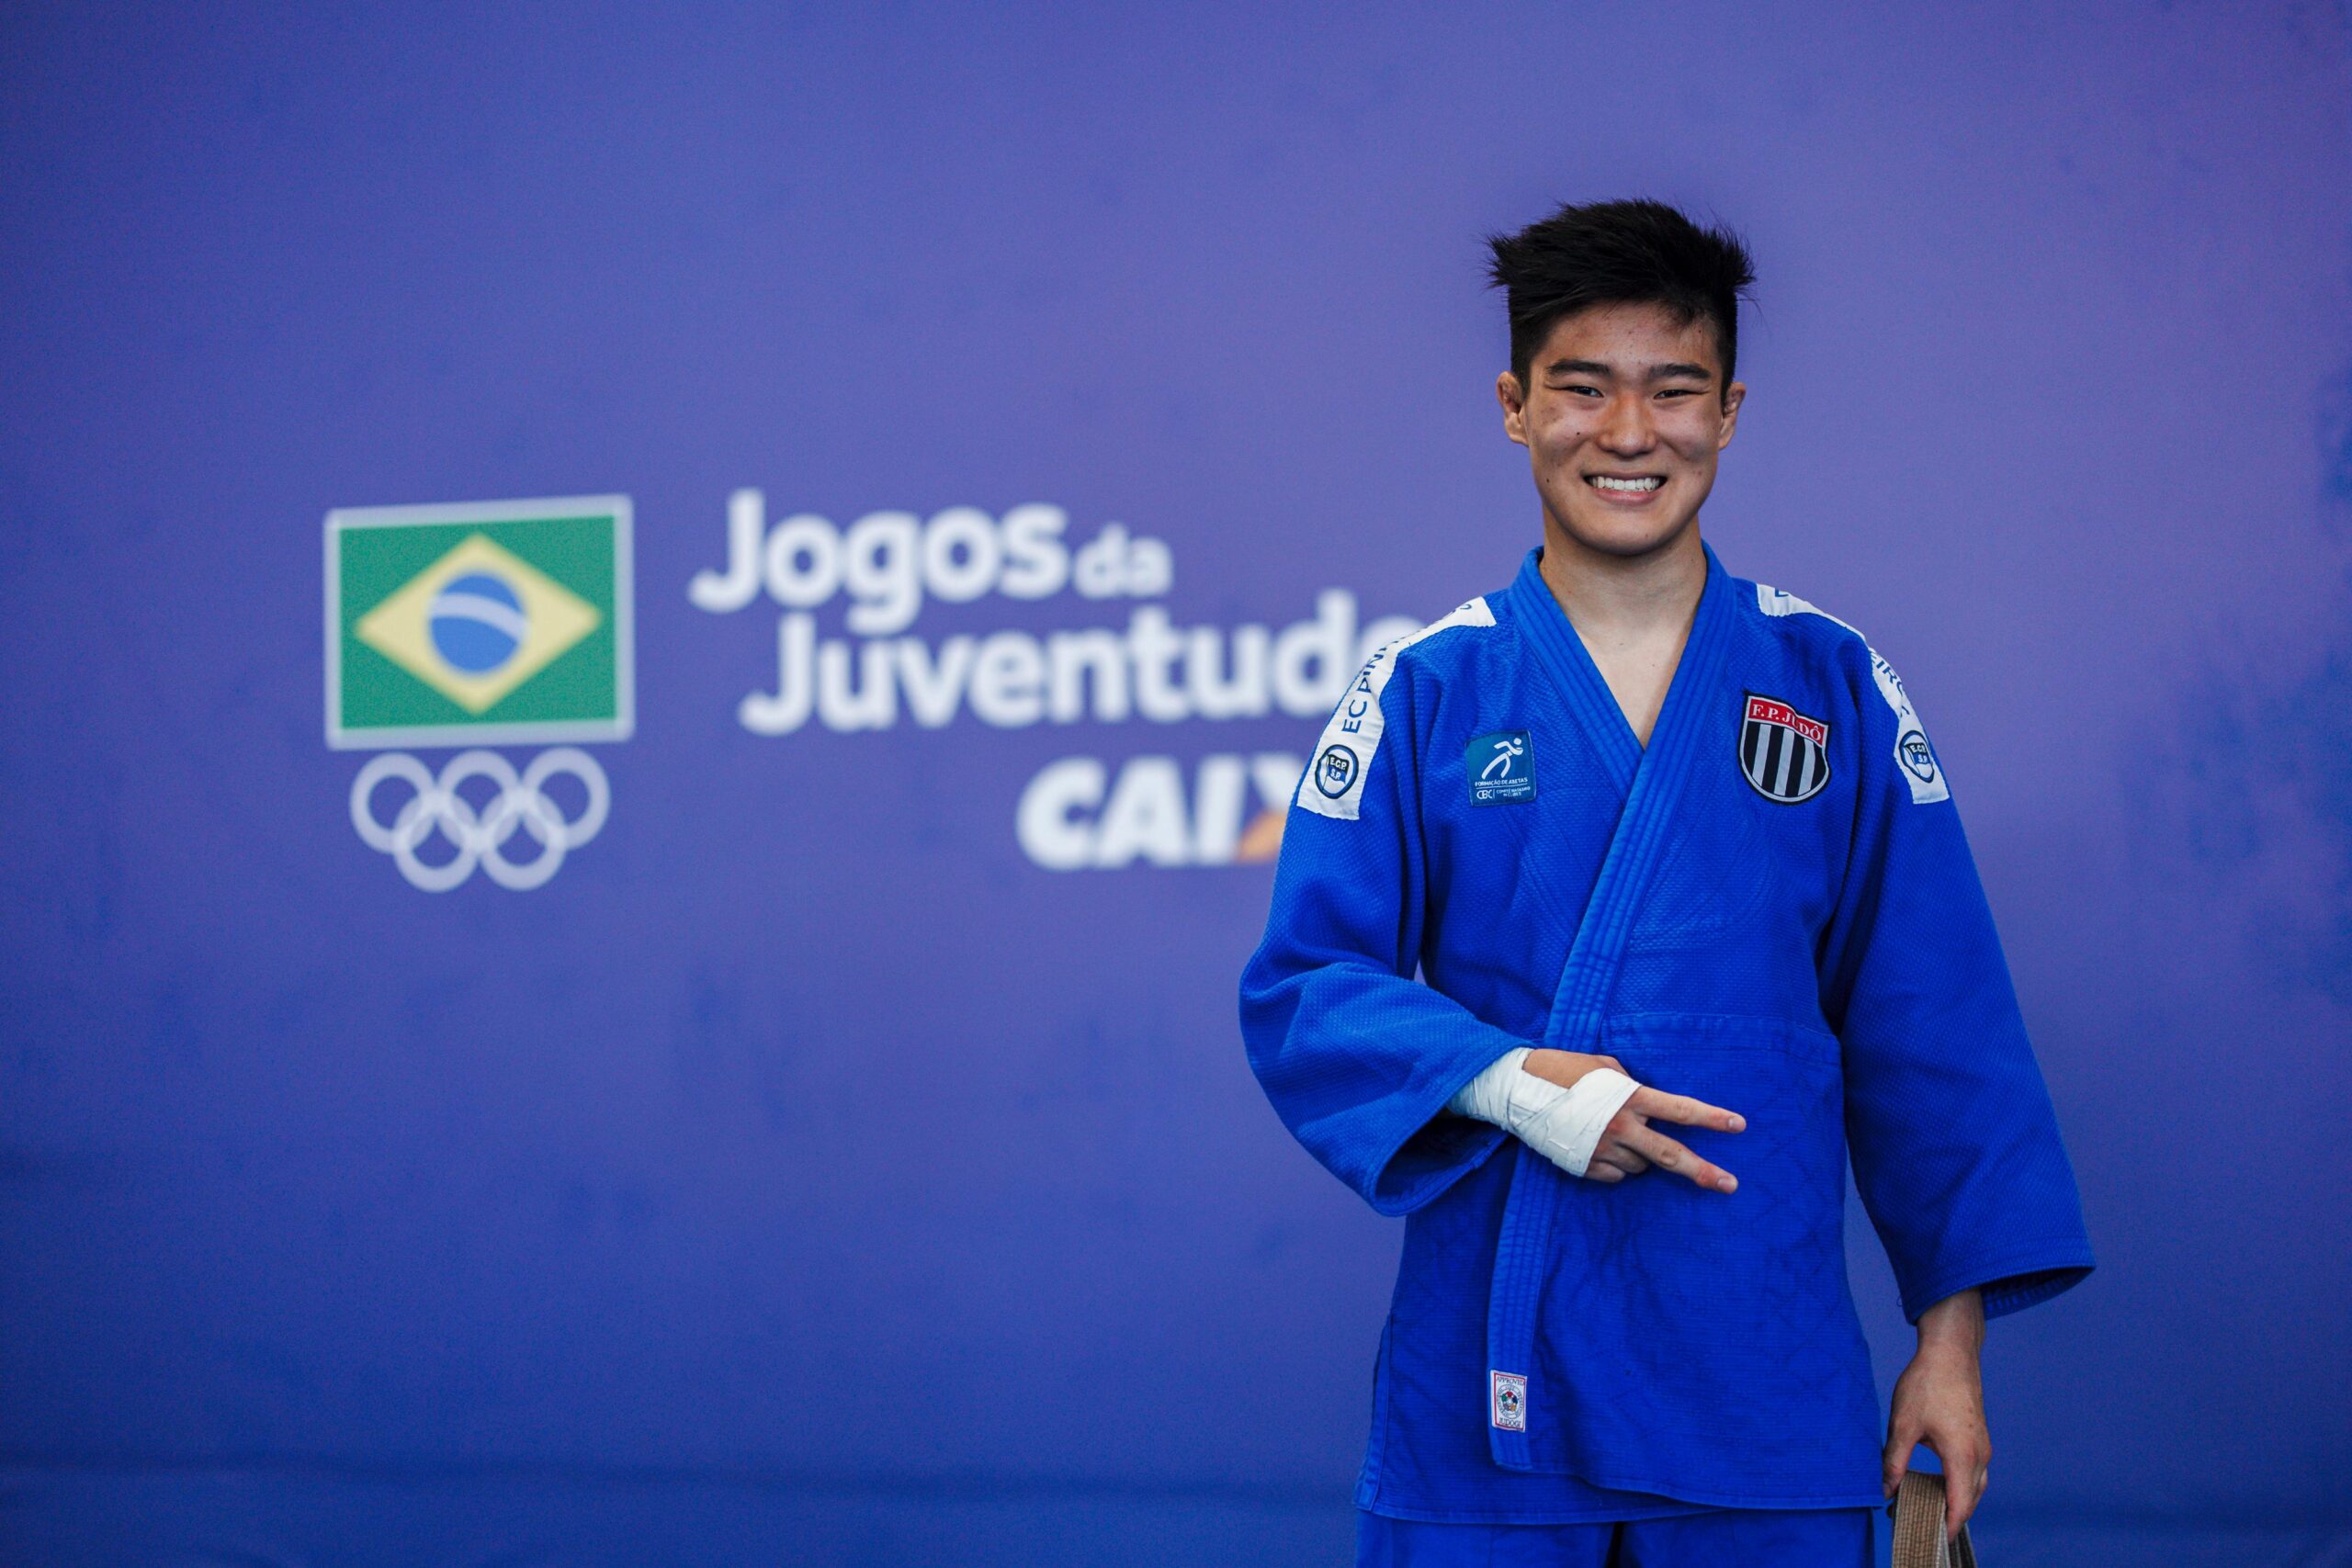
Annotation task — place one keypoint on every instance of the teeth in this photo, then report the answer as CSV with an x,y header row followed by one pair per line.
x,y
1602,482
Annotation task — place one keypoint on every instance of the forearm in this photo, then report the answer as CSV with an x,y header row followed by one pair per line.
x,y
1954,1324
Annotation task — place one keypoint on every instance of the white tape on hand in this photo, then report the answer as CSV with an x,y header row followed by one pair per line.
x,y
1564,1125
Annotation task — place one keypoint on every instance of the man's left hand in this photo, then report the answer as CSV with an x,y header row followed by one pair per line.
x,y
1939,1401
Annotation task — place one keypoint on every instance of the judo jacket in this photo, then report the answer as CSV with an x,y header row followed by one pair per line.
x,y
1772,909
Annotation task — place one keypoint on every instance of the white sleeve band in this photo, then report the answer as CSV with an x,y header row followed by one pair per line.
x,y
1564,1125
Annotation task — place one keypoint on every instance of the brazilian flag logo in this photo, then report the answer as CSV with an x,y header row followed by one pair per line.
x,y
490,623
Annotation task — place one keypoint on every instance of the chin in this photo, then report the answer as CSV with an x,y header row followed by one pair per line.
x,y
1624,535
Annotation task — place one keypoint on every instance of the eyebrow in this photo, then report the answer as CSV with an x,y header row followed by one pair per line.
x,y
1657,372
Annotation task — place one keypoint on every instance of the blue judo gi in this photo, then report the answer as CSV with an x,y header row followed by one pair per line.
x,y
1772,909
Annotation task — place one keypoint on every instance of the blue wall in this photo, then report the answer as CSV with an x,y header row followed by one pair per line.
x,y
817,1166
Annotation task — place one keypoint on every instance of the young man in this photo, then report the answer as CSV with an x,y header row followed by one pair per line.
x,y
1666,847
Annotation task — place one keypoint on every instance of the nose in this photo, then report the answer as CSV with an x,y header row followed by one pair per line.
x,y
1625,427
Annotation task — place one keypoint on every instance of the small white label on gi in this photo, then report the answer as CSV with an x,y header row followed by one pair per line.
x,y
1508,1399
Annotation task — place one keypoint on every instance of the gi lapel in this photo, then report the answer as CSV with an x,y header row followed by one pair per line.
x,y
1561,653
1657,781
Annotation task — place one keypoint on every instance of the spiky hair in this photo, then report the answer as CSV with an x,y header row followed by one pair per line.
x,y
1608,252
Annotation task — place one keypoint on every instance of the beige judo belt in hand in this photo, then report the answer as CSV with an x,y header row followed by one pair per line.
x,y
1919,1526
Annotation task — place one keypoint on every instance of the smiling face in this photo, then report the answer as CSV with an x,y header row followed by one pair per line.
x,y
1625,412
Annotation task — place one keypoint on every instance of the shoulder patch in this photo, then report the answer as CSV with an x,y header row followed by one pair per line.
x,y
1915,759
1334,783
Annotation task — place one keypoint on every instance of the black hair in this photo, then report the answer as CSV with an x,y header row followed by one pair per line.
x,y
1608,252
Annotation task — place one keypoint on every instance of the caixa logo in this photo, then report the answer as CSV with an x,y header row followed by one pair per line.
x,y
1079,814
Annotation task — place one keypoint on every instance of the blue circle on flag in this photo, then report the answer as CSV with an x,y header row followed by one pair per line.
x,y
477,623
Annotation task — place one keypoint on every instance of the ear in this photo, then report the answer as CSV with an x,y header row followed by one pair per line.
x,y
1514,403
1734,395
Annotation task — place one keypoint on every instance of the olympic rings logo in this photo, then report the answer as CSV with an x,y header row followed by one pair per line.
x,y
480,835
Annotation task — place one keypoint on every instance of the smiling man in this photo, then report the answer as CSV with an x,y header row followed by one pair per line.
x,y
1633,844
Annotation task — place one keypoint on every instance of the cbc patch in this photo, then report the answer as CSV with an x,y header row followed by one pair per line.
x,y
1784,754
1334,770
1917,758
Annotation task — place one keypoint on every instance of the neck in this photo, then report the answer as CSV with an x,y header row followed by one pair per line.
x,y
1613,599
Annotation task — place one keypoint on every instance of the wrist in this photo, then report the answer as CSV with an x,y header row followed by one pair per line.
x,y
1562,1067
1487,1097
1954,1326
1945,1351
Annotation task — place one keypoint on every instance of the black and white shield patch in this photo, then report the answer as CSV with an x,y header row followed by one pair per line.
x,y
1784,754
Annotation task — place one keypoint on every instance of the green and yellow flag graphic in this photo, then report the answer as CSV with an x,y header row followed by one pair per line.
x,y
480,623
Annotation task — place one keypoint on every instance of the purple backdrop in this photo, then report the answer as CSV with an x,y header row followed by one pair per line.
x,y
807,1170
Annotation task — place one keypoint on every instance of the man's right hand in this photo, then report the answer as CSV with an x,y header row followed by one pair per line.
x,y
1629,1146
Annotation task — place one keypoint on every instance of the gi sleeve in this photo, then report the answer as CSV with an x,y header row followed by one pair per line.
x,y
1955,1145
1359,1058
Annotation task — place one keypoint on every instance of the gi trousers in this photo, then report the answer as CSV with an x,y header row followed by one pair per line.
x,y
1719,1538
